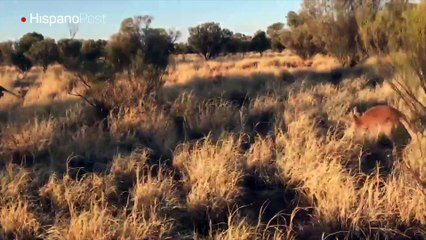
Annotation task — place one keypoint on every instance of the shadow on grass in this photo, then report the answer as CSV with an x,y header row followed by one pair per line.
x,y
238,88
17,114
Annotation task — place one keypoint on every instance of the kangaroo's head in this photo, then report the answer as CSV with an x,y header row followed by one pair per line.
x,y
352,121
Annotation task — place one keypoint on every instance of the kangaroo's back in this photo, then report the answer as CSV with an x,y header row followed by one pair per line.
x,y
379,115
382,120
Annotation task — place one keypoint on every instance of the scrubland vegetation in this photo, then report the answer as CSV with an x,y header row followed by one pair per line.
x,y
138,137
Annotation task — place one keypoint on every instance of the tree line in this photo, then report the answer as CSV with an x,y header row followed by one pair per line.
x,y
350,30
135,43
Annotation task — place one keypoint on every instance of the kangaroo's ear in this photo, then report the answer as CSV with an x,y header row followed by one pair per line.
x,y
355,112
349,120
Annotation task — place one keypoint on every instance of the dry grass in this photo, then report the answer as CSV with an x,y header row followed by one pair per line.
x,y
241,147
247,65
218,188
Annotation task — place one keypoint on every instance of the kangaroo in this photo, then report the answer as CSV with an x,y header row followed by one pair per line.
x,y
385,120
382,120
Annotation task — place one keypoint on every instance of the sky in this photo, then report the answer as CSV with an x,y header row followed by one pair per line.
x,y
245,16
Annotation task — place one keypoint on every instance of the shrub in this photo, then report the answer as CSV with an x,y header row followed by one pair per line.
x,y
414,45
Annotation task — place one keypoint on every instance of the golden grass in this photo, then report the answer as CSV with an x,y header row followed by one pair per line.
x,y
220,186
208,160
17,221
270,63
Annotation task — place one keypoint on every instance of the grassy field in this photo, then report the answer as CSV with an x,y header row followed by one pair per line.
x,y
241,147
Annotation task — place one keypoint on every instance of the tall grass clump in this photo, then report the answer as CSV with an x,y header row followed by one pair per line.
x,y
212,174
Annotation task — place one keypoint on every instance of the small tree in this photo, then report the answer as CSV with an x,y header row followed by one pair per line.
x,y
44,53
207,39
259,43
142,51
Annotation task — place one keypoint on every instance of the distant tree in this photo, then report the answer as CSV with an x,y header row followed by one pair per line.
x,y
226,40
207,39
182,48
274,31
302,41
123,46
19,57
101,45
44,53
243,42
121,49
158,44
139,49
69,47
259,43
238,43
231,46
69,53
6,50
25,42
90,50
